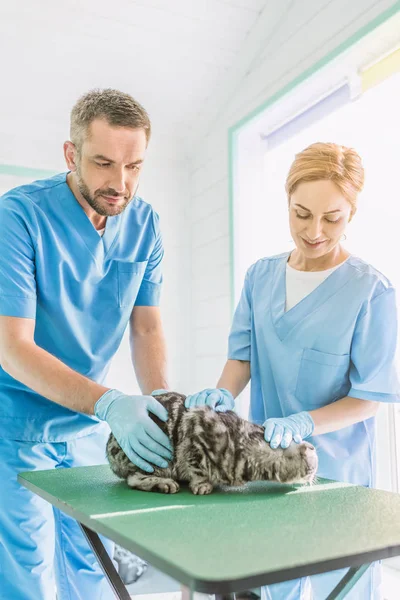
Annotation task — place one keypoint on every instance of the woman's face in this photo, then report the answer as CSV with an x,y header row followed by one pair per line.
x,y
318,216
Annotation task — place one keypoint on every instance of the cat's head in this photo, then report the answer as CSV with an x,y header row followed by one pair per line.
x,y
297,464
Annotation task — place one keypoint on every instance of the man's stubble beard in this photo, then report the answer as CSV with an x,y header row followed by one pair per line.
x,y
94,203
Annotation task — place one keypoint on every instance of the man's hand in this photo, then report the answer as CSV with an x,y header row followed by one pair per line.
x,y
139,437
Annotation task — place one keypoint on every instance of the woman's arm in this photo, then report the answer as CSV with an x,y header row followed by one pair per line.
x,y
235,376
342,413
338,415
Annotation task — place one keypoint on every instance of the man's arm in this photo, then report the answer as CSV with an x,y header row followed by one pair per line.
x,y
39,370
148,348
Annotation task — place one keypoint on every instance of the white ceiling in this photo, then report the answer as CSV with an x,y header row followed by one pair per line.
x,y
170,55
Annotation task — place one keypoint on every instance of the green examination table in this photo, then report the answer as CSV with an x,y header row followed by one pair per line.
x,y
234,539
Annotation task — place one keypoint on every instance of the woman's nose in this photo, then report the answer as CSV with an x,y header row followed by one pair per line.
x,y
314,231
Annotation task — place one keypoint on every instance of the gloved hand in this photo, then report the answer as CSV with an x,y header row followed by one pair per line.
x,y
282,431
218,398
139,437
158,392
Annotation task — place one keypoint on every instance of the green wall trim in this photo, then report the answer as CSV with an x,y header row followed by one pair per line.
x,y
26,171
234,129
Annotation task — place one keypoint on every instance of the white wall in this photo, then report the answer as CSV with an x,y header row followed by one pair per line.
x,y
164,185
290,38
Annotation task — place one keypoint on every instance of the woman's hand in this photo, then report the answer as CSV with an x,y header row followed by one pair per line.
x,y
282,431
219,399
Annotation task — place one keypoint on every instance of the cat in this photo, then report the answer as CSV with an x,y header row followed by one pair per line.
x,y
213,448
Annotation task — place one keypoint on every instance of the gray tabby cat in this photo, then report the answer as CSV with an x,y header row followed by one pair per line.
x,y
214,448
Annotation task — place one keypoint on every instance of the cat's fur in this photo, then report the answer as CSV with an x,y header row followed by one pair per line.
x,y
214,448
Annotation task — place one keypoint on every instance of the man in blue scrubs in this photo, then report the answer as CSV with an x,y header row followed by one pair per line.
x,y
80,259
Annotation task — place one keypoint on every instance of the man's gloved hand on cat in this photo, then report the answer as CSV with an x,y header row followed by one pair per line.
x,y
139,437
281,431
219,399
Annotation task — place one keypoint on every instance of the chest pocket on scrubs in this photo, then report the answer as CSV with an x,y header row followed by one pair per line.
x,y
322,379
130,277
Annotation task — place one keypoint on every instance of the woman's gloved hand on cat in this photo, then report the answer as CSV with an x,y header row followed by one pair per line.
x,y
219,399
139,437
281,431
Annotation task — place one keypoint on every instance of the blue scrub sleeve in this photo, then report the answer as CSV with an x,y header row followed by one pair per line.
x,y
239,344
17,260
150,288
373,372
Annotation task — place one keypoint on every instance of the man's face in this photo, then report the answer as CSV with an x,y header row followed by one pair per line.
x,y
108,166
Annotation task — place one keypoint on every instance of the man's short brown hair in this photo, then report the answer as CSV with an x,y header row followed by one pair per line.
x,y
117,108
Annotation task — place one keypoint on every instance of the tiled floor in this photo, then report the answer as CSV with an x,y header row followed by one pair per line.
x,y
154,583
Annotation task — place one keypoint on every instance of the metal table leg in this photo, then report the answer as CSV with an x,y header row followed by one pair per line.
x,y
347,583
112,574
106,564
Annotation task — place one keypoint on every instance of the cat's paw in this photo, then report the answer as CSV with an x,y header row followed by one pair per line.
x,y
168,486
201,488
148,483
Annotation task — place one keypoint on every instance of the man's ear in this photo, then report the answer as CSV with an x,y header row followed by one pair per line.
x,y
70,155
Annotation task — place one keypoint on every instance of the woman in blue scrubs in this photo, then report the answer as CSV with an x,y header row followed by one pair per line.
x,y
316,332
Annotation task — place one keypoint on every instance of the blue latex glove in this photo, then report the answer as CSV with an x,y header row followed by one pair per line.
x,y
158,392
139,437
282,431
218,398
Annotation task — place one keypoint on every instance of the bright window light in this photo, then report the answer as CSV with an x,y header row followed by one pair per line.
x,y
371,125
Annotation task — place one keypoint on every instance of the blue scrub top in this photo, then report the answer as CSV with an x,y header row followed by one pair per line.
x,y
339,341
80,287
